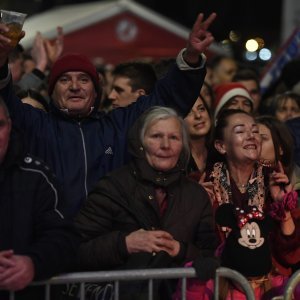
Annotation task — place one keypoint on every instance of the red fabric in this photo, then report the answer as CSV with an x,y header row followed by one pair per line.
x,y
286,249
161,196
277,282
199,290
72,62
288,203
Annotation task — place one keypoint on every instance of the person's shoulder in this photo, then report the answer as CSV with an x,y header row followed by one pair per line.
x,y
192,184
195,193
293,122
33,164
195,175
121,176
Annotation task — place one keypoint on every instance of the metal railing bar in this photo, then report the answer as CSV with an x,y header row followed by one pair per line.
x,y
114,277
11,295
150,289
127,275
290,285
47,292
183,289
237,277
82,291
116,290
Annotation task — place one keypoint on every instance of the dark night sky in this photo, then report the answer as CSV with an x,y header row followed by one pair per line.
x,y
250,18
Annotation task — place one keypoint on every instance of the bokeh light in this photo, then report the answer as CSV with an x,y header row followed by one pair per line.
x,y
251,45
234,36
249,55
265,54
260,42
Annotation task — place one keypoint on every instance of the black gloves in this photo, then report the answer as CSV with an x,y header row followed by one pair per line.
x,y
206,267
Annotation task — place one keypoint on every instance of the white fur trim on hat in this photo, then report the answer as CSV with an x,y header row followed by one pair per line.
x,y
230,94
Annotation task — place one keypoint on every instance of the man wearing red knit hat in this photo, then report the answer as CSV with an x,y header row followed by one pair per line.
x,y
80,143
232,95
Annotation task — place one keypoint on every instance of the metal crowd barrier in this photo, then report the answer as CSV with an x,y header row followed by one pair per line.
x,y
152,274
116,277
291,284
236,277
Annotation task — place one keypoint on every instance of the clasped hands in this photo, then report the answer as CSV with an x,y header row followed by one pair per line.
x,y
16,271
152,241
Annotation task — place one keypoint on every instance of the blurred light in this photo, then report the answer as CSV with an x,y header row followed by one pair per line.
x,y
234,36
226,47
265,54
225,42
251,45
260,42
251,55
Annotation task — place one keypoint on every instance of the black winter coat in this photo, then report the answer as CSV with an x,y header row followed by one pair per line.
x,y
110,214
30,221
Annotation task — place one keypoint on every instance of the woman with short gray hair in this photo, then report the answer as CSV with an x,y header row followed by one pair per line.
x,y
148,214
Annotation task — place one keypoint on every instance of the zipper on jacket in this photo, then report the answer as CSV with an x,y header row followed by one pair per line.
x,y
85,160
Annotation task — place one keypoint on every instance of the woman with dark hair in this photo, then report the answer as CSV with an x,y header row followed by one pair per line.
x,y
277,144
285,106
277,147
241,181
207,94
199,123
237,139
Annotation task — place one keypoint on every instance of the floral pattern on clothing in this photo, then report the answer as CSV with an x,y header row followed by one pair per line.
x,y
222,186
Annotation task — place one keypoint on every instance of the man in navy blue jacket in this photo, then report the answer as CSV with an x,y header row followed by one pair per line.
x,y
82,144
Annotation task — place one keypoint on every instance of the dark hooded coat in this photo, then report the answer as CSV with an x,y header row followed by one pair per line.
x,y
124,201
30,220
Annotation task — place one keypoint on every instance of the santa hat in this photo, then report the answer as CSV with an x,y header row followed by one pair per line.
x,y
224,92
73,62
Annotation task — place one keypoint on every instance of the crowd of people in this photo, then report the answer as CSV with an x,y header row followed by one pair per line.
x,y
181,162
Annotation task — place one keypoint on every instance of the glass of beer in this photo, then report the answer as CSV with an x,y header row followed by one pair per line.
x,y
14,21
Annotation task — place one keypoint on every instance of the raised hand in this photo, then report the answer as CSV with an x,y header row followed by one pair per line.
x,y
54,50
279,183
5,46
208,186
38,52
200,38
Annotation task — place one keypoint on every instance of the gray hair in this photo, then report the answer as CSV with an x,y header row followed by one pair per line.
x,y
2,104
157,113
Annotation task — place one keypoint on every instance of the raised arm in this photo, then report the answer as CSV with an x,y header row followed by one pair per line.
x,y
181,86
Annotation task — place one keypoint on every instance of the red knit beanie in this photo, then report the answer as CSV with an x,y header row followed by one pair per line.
x,y
224,92
73,62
